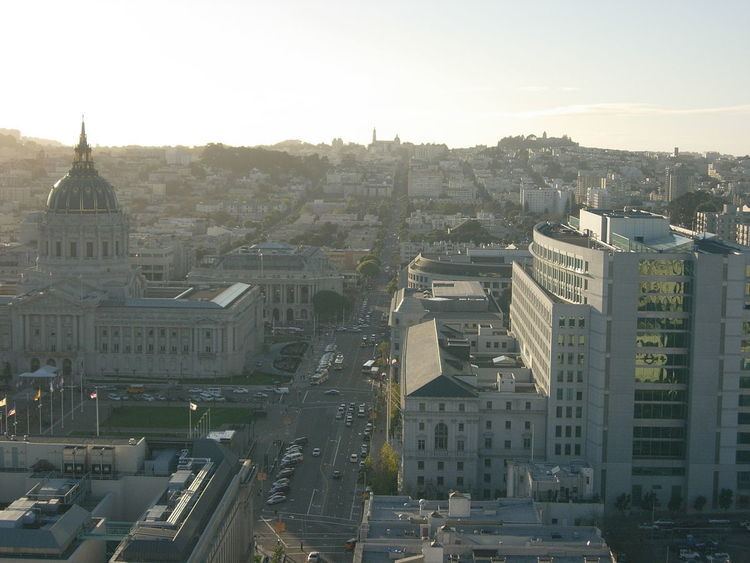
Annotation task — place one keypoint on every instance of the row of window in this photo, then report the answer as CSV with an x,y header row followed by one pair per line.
x,y
487,425
150,348
569,395
568,431
569,412
567,449
572,358
462,406
90,249
561,376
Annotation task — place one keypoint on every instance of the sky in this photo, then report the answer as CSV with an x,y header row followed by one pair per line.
x,y
637,75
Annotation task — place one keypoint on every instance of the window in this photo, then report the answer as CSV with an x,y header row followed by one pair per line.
x,y
579,395
440,465
460,426
461,407
420,465
578,431
577,449
506,445
105,249
422,407
441,436
441,407
579,412
420,480
460,445
489,405
527,443
459,481
558,431
567,449
560,376
558,449
150,347
528,405
487,477
459,466
421,426
558,412
527,425
559,394
420,445
508,405
488,462
89,250
568,431
440,481
58,249
507,424
488,443
488,425
568,412
185,347
73,249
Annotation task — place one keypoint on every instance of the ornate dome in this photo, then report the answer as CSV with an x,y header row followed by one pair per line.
x,y
82,190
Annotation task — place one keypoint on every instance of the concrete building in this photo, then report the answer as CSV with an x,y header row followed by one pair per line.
x,y
628,325
545,200
461,423
289,277
83,308
461,306
425,180
404,530
731,224
490,267
677,181
587,180
67,499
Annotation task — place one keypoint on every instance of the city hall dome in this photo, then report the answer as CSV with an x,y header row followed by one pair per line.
x,y
82,190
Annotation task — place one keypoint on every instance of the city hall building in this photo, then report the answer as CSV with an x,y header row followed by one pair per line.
x,y
84,309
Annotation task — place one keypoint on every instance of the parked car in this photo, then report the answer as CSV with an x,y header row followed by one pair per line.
x,y
316,452
354,458
336,474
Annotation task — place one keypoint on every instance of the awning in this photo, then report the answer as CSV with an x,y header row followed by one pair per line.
x,y
44,372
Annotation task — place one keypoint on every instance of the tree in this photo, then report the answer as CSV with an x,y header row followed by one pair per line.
x,y
368,268
329,305
699,503
392,286
649,501
726,498
675,502
278,554
384,471
622,503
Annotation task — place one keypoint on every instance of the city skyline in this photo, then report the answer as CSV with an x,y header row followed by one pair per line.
x,y
644,79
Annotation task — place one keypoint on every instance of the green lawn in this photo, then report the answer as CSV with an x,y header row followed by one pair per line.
x,y
172,417
255,378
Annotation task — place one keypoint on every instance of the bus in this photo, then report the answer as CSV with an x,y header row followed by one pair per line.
x,y
367,367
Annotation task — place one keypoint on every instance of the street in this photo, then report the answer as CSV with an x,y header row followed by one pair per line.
x,y
321,512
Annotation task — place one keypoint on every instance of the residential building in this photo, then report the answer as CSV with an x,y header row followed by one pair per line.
x,y
628,324
677,181
587,180
545,200
730,224
425,180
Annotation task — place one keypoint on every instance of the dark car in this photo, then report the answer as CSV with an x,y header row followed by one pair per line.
x,y
300,441
336,474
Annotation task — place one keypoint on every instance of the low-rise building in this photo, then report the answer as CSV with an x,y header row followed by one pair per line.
x,y
405,530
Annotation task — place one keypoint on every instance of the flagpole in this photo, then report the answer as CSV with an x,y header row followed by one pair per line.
x,y
40,417
51,412
190,420
28,414
81,374
72,396
62,407
96,390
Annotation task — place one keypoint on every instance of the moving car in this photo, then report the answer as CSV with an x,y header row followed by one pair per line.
x,y
332,392
354,458
316,452
336,474
313,556
276,499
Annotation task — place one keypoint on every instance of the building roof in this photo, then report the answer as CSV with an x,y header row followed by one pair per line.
x,y
429,367
460,265
191,298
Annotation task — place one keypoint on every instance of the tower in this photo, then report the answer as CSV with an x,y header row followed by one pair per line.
x,y
374,136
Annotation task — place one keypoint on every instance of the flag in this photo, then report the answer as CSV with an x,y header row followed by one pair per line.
x,y
51,386
3,402
38,394
12,411
193,406
93,395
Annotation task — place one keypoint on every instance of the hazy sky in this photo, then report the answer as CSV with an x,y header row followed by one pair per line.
x,y
631,74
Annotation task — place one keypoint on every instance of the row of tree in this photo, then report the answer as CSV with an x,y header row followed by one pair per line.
x,y
650,501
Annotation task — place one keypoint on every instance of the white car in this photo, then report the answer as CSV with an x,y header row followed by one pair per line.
x,y
316,452
313,556
354,458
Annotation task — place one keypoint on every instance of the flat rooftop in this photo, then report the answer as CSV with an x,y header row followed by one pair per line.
x,y
458,290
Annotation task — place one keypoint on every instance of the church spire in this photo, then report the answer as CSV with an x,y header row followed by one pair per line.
x,y
82,159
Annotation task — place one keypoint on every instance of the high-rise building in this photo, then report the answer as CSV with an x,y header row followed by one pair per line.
x,y
639,334
677,181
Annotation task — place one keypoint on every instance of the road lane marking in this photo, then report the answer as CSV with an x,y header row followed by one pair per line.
x,y
312,497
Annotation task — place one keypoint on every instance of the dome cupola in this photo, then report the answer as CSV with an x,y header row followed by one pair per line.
x,y
82,190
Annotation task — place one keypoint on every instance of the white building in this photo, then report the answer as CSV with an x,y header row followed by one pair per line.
x,y
545,200
84,308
